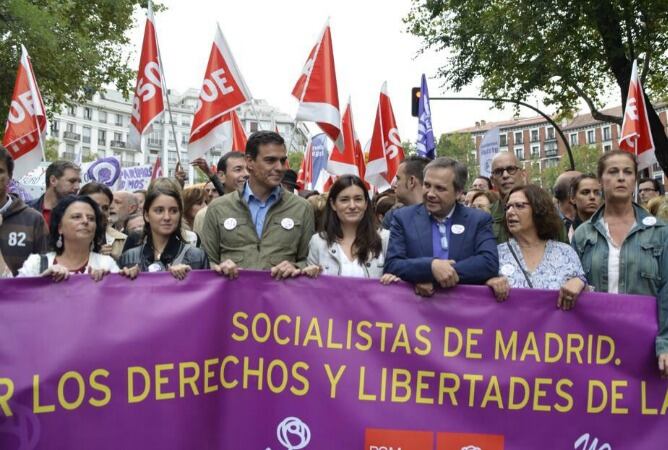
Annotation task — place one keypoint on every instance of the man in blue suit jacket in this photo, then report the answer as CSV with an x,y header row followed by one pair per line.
x,y
440,242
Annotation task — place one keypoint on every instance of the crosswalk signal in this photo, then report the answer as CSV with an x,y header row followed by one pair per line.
x,y
415,101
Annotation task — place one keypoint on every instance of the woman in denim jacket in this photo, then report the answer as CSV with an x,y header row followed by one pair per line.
x,y
623,249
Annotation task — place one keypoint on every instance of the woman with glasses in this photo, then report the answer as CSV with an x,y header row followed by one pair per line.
x,y
351,244
623,249
164,247
533,257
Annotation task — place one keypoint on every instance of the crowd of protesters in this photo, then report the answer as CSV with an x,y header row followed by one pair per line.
x,y
587,234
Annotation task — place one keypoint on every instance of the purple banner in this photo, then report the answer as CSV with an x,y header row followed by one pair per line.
x,y
253,363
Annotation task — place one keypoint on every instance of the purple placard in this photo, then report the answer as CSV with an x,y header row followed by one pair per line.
x,y
158,363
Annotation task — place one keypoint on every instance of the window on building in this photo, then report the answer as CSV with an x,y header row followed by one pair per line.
x,y
172,141
118,137
574,138
119,120
69,127
86,135
535,151
253,126
72,111
607,148
606,134
102,116
55,128
518,137
519,152
101,137
503,140
88,113
184,139
551,149
591,137
549,132
534,135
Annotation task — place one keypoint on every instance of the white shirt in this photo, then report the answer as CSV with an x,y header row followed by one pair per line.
x,y
614,255
31,265
350,268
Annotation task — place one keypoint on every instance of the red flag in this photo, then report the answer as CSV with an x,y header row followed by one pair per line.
x,y
148,103
26,122
359,160
157,169
305,174
636,134
342,159
223,90
235,134
385,152
317,91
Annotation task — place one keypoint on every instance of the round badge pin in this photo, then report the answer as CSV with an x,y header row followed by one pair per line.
x,y
288,223
507,269
649,221
155,267
458,229
230,224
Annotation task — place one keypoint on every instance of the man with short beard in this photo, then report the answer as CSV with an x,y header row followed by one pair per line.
x,y
62,178
124,205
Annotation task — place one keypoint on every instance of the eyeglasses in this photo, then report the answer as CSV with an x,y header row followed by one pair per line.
x,y
519,206
444,237
512,170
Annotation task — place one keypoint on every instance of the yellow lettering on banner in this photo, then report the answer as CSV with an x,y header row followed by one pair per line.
x,y
280,319
6,396
643,401
301,378
593,386
421,386
384,326
161,381
132,397
277,388
209,374
600,359
564,395
363,335
448,352
97,386
261,338
664,408
81,390
512,403
334,379
539,393
549,339
401,340
505,350
472,379
472,342
330,340
223,381
404,384
530,348
574,349
248,372
361,395
240,325
190,380
617,395
449,390
36,407
421,334
493,393
313,333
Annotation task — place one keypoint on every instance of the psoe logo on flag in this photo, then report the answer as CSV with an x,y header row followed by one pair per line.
x,y
468,441
384,439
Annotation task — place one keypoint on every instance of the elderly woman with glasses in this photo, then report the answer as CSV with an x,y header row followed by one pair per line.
x,y
533,257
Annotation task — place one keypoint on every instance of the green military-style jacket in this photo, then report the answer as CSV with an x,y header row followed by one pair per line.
x,y
229,232
643,261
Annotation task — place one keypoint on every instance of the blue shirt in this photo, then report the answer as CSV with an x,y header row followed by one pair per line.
x,y
258,209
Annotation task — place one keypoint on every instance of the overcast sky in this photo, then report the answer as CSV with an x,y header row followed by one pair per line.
x,y
270,41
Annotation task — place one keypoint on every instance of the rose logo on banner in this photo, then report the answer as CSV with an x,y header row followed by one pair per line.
x,y
290,429
105,171
471,447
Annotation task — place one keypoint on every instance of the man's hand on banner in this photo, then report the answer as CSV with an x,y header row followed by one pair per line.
x,y
227,268
283,270
424,289
444,272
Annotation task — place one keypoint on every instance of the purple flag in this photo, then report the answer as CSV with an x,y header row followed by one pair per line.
x,y
209,363
426,144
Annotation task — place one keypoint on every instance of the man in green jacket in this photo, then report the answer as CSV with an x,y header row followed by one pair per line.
x,y
261,226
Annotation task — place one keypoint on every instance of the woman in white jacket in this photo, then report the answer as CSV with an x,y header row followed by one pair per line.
x,y
351,244
76,233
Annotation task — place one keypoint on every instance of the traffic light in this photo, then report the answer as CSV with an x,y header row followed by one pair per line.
x,y
415,101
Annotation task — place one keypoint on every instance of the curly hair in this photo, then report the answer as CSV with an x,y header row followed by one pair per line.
x,y
58,213
545,217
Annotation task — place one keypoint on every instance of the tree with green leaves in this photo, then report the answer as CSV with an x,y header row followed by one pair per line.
x,y
570,50
459,146
76,47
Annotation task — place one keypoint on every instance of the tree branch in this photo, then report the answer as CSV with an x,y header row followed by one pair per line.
x,y
595,113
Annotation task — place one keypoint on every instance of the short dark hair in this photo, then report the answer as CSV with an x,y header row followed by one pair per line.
x,y
487,180
606,156
575,183
57,216
58,168
93,187
414,166
545,217
222,162
654,181
8,160
459,169
262,137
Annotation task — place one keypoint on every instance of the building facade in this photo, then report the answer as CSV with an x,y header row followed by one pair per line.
x,y
100,128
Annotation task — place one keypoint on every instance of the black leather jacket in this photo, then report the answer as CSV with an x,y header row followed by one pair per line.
x,y
176,252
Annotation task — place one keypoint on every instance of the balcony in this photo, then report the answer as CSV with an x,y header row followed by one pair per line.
x,y
117,144
551,152
71,136
154,143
